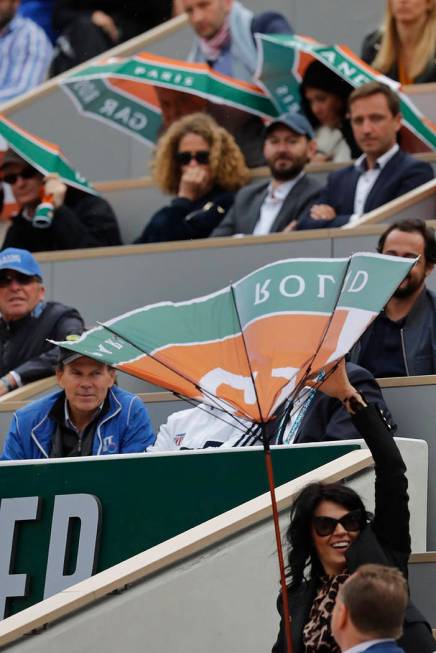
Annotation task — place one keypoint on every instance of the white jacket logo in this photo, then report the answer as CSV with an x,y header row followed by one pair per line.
x,y
109,445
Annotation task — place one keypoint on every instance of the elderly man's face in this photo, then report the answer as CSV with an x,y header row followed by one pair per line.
x,y
206,16
8,9
26,183
86,383
19,294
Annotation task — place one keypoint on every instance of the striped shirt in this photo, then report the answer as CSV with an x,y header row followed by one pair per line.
x,y
25,56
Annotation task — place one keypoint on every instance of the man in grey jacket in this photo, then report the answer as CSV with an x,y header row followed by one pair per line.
x,y
402,339
271,206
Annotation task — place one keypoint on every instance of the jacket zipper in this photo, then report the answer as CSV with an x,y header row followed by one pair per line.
x,y
403,348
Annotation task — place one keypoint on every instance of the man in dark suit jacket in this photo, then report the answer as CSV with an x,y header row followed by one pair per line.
x,y
383,172
369,610
267,207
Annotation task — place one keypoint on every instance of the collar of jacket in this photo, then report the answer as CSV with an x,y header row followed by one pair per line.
x,y
37,431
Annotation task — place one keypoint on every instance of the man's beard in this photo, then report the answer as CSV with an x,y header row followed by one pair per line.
x,y
408,290
286,174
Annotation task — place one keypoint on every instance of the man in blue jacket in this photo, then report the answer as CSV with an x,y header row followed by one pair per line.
x,y
89,416
369,611
383,172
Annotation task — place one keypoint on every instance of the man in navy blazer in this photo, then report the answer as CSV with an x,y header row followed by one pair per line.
x,y
369,611
383,172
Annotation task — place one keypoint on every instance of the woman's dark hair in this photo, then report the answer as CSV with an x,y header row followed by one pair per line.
x,y
413,225
299,535
319,76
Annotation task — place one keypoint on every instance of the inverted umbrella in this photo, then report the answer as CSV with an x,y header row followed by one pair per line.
x,y
132,93
284,58
46,157
250,346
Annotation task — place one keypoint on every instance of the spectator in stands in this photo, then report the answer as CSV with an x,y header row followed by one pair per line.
x,y
201,164
88,28
369,611
404,48
80,219
311,417
41,12
324,97
25,52
382,173
225,31
266,207
224,39
331,535
88,416
27,320
402,339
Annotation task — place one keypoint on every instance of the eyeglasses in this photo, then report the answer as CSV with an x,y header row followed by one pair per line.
x,y
6,278
27,173
185,158
352,521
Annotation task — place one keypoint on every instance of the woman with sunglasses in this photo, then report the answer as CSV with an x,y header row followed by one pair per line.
x,y
199,162
331,535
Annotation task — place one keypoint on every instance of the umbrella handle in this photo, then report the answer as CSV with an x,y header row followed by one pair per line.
x,y
285,602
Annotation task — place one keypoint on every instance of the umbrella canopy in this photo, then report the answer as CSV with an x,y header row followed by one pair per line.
x,y
44,156
249,346
132,94
283,60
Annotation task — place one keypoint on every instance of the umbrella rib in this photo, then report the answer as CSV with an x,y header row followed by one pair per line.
x,y
262,421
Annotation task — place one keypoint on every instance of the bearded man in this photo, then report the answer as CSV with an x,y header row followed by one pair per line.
x,y
275,205
402,339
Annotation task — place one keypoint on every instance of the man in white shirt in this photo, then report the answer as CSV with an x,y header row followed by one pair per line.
x,y
383,172
271,206
369,611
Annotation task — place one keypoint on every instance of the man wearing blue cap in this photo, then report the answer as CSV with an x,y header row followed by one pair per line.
x,y
27,321
267,207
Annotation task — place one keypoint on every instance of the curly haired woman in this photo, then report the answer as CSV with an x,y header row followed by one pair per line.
x,y
199,162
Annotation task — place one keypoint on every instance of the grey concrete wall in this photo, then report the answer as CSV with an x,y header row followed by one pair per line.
x,y
413,411
222,599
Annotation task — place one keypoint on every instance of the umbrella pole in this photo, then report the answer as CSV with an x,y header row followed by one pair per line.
x,y
285,602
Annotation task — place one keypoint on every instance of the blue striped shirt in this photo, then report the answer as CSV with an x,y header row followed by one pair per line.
x,y
25,56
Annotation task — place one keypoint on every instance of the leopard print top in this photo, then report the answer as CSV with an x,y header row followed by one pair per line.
x,y
317,636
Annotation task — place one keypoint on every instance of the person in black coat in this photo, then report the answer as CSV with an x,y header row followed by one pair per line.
x,y
88,28
79,219
200,163
331,535
384,171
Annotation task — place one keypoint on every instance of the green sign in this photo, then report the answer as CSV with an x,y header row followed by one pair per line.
x,y
64,520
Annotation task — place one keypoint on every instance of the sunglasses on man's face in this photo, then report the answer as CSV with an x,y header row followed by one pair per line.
x,y
6,278
26,173
185,158
352,521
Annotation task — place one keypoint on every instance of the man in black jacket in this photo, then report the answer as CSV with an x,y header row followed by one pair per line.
x,y
27,321
79,219
402,339
89,27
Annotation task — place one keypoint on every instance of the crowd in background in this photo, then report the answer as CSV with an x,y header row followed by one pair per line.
x,y
203,162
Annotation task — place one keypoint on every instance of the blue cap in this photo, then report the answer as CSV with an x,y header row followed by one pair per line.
x,y
295,121
20,260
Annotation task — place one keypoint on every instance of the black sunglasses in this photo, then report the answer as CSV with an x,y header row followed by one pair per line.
x,y
27,173
6,278
184,158
352,521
